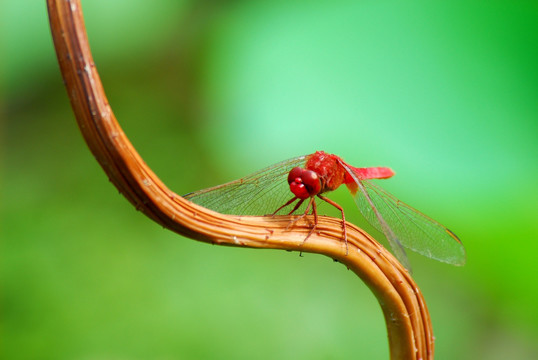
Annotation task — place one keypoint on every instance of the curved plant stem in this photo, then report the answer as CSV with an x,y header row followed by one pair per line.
x,y
406,316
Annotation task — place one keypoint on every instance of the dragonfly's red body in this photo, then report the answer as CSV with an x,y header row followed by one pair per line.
x,y
310,177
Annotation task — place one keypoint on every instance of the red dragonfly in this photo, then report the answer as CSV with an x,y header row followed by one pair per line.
x,y
264,192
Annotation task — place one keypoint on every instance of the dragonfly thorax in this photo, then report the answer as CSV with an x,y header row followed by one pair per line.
x,y
304,183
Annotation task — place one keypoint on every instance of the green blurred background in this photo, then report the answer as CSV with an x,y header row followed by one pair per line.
x,y
445,93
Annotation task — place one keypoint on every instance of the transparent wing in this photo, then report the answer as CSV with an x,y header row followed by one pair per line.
x,y
404,225
260,193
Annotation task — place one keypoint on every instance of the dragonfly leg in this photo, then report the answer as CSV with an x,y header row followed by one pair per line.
x,y
343,217
315,213
311,203
286,204
303,215
296,206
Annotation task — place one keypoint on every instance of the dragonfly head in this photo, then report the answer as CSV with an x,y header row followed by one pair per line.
x,y
304,183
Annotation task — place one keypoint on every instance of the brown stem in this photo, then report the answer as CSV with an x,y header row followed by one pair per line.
x,y
406,315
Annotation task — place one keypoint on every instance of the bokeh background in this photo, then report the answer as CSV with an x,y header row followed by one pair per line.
x,y
445,93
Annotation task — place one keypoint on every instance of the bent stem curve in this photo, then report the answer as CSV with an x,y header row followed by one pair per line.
x,y
406,315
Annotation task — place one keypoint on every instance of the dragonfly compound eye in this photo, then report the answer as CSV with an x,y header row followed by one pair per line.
x,y
303,183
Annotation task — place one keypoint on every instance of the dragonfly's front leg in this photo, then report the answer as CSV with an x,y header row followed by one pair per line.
x,y
311,205
315,213
289,202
